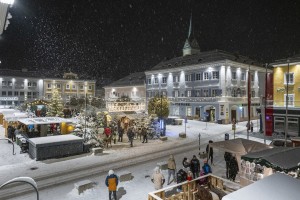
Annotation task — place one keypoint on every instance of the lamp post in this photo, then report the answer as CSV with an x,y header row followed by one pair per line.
x,y
287,77
85,106
28,180
11,143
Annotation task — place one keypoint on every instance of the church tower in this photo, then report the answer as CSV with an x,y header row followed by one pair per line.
x,y
191,45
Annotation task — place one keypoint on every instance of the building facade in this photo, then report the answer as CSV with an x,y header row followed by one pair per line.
x,y
131,87
286,95
23,86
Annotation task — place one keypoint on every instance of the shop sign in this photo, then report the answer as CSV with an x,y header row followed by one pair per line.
x,y
9,98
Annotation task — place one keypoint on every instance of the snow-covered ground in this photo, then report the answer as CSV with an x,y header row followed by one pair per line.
x,y
12,166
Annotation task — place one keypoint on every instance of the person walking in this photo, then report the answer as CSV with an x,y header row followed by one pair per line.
x,y
130,134
120,133
158,179
251,126
144,134
171,169
227,157
195,166
111,182
233,168
210,153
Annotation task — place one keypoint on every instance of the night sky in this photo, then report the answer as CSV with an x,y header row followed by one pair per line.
x,y
112,38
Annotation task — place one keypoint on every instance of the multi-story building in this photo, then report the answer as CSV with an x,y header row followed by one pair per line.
x,y
20,86
211,85
132,86
286,95
69,86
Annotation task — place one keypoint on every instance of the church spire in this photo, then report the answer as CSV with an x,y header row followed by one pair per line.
x,y
191,45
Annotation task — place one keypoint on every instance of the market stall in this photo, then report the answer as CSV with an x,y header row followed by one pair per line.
x,y
276,186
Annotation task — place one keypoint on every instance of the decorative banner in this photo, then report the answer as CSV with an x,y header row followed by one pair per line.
x,y
9,98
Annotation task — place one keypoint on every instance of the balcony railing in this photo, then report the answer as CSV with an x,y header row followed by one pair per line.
x,y
210,184
213,99
125,106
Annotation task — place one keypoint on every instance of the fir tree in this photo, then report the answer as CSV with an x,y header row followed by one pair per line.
x,y
55,108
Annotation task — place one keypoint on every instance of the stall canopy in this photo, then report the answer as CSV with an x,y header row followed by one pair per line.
x,y
239,147
276,186
44,120
280,159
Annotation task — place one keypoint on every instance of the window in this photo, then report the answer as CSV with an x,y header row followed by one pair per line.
x,y
290,99
189,93
29,84
199,77
34,84
205,75
189,111
90,87
234,93
4,83
49,85
164,80
175,79
215,75
197,93
176,93
9,93
58,85
29,95
205,93
243,77
9,83
81,87
243,93
289,78
34,94
233,74
188,77
164,93
214,92
155,80
21,93
3,93
253,93
16,93
149,81
74,87
67,86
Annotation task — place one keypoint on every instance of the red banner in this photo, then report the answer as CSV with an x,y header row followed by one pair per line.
x,y
269,109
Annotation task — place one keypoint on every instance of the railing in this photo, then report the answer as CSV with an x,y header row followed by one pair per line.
x,y
189,189
125,106
213,99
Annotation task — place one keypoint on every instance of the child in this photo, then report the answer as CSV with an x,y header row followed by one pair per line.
x,y
189,176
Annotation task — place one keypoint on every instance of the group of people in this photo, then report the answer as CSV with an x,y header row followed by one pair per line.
x,y
111,134
232,167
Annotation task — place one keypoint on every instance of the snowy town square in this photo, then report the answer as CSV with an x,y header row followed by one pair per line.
x,y
156,100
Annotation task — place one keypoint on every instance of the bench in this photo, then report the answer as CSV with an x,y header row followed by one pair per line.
x,y
163,138
125,176
82,186
97,150
182,135
163,165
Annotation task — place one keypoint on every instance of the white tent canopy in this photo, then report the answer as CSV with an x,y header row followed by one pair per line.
x,y
276,186
44,120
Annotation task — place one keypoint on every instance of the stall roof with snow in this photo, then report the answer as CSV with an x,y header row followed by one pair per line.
x,y
45,120
276,186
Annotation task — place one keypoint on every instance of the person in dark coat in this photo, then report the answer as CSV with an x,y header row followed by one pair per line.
x,y
233,168
144,134
186,163
210,153
195,166
130,134
227,157
181,176
111,182
120,132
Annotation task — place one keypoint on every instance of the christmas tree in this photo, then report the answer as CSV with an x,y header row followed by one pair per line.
x,y
55,108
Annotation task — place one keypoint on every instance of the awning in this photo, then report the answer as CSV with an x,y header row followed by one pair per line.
x,y
45,120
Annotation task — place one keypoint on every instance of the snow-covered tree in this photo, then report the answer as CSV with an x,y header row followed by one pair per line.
x,y
159,106
55,108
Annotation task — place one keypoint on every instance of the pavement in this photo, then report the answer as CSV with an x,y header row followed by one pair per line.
x,y
59,171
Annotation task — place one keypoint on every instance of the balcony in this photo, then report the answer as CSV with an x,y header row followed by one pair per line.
x,y
210,184
125,106
214,99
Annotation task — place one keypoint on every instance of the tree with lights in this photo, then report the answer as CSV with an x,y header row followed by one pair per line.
x,y
160,107
55,108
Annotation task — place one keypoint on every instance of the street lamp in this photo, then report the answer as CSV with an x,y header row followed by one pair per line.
x,y
28,180
85,105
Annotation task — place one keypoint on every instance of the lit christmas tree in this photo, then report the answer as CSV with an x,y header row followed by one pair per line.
x,y
55,108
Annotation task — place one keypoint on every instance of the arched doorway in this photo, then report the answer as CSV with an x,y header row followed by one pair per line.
x,y
234,113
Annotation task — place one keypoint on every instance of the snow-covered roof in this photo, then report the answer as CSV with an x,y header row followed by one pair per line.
x,y
135,79
8,111
44,120
54,139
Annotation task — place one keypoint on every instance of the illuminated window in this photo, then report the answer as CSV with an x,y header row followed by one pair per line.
x,y
205,75
49,85
188,77
175,79
291,98
90,87
68,86
189,93
289,78
215,75
199,77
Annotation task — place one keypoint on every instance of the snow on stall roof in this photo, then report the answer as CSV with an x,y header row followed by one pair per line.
x,y
53,139
44,120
